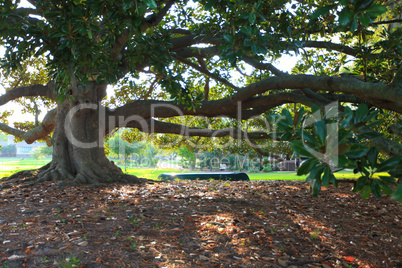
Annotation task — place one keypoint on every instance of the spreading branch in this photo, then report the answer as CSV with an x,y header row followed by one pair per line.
x,y
388,21
28,91
40,132
206,72
148,22
352,86
155,126
263,66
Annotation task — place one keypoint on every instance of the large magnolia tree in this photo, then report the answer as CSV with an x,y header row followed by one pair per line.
x,y
210,58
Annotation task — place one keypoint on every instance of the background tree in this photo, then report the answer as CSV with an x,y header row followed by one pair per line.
x,y
188,156
9,150
209,58
118,146
37,154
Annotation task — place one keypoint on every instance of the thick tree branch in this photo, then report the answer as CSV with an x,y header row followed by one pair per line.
x,y
180,31
28,91
197,52
388,21
389,146
333,46
206,72
155,126
263,66
143,110
39,132
155,19
148,22
398,77
396,129
343,98
322,83
259,150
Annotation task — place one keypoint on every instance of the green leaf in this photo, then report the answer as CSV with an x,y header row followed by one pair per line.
x,y
309,138
284,125
354,24
388,180
375,123
372,156
307,166
286,136
357,150
321,11
360,183
228,37
326,178
376,10
385,188
362,4
320,129
361,113
151,4
288,116
251,18
345,16
375,188
315,187
315,173
365,193
398,193
300,148
365,20
389,164
342,161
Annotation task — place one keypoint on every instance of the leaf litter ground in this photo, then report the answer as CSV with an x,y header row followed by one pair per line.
x,y
197,224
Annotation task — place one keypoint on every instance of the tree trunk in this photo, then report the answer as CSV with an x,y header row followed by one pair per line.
x,y
78,152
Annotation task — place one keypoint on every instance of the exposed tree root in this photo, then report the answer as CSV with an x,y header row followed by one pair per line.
x,y
95,176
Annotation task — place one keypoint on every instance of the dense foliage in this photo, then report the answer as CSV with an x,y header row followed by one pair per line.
x,y
206,69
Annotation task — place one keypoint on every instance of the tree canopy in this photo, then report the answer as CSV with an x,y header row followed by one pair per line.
x,y
213,60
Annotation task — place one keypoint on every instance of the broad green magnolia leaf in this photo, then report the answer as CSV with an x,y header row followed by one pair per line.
x,y
360,183
388,180
307,166
326,177
365,192
361,113
385,188
321,130
345,16
398,193
389,164
372,156
300,148
362,4
151,4
357,150
376,10
365,20
321,11
354,24
375,188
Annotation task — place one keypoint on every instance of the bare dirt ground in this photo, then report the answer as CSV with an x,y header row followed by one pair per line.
x,y
197,224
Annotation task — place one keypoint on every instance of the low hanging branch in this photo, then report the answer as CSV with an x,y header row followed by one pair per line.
x,y
391,93
155,126
28,91
206,72
40,132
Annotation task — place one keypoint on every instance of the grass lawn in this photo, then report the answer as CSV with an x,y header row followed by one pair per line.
x,y
9,166
152,173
